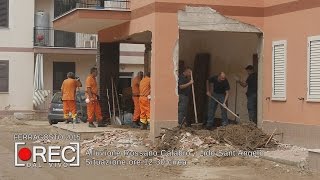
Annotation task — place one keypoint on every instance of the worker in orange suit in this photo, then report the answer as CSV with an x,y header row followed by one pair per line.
x,y
144,99
135,97
68,91
92,99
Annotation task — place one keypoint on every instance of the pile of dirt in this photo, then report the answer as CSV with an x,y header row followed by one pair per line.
x,y
244,136
241,136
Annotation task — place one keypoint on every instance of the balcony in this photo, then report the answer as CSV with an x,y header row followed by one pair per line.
x,y
69,5
90,16
48,37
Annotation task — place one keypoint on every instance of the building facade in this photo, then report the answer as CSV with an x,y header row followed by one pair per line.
x,y
26,30
285,39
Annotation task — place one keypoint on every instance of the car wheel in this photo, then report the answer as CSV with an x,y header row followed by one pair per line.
x,y
52,121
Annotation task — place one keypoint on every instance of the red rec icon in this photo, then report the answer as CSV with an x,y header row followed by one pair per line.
x,y
24,154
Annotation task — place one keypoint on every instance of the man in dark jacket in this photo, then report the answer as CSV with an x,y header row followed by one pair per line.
x,y
252,84
184,90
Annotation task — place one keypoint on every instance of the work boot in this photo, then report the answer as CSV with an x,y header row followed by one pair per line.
x,y
92,125
144,126
100,124
67,121
136,124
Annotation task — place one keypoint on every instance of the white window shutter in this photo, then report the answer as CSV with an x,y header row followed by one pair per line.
x,y
279,72
313,68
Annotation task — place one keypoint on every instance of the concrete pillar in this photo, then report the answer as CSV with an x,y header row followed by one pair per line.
x,y
164,102
109,67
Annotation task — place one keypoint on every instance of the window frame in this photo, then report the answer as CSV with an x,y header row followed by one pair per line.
x,y
310,98
8,14
8,63
273,96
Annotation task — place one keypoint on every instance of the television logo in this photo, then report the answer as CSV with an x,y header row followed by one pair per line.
x,y
55,156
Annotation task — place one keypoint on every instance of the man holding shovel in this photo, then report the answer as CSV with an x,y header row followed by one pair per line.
x,y
184,91
220,91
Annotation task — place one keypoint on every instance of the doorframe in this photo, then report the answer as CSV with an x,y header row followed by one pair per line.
x,y
53,77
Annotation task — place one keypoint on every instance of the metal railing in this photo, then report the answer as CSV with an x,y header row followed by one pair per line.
x,y
63,6
48,37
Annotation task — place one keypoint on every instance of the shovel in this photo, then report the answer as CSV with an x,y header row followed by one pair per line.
x,y
235,115
197,125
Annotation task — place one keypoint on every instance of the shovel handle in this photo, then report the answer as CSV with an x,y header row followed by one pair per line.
x,y
224,106
194,101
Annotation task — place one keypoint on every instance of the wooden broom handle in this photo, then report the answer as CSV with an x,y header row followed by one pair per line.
x,y
194,100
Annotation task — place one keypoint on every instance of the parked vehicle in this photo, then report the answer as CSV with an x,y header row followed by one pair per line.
x,y
55,114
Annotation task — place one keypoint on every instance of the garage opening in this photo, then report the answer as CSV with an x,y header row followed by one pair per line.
x,y
119,63
210,43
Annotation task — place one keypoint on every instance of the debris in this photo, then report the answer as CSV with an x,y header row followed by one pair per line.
x,y
270,137
197,141
116,138
244,136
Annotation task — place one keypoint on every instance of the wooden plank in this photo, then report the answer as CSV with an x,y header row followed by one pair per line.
x,y
200,74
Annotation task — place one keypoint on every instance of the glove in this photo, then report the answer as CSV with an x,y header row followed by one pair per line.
x,y
87,100
149,97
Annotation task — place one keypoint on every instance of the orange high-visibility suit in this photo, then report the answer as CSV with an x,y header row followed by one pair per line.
x,y
135,98
68,90
93,107
145,90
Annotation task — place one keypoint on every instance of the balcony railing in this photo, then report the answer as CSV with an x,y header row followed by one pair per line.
x,y
48,37
63,6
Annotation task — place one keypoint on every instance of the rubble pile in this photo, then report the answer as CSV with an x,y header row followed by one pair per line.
x,y
116,139
184,139
242,136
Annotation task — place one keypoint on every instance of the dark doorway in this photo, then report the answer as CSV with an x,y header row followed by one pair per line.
x,y
124,81
60,70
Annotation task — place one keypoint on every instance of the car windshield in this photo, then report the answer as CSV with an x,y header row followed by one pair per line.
x,y
80,97
56,98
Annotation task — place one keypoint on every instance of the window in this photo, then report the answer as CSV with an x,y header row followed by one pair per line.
x,y
279,63
4,76
313,69
4,13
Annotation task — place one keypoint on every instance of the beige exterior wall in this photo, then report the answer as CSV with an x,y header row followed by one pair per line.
x,y
83,64
21,65
20,31
18,37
